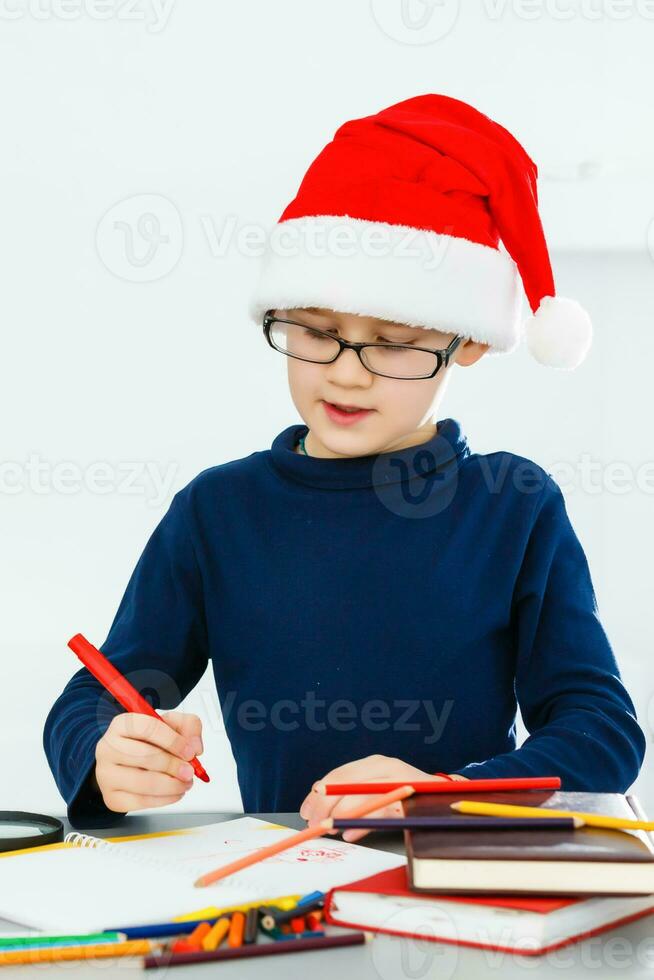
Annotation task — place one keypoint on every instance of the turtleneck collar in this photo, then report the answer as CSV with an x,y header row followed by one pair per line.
x,y
446,447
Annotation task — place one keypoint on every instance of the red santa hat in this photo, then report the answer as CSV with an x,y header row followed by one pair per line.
x,y
403,216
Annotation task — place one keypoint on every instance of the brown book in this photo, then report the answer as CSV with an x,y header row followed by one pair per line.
x,y
585,861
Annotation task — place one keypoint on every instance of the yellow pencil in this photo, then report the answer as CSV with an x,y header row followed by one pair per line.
x,y
130,947
212,912
508,810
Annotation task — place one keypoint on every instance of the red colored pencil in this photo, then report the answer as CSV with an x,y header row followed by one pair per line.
x,y
119,686
440,786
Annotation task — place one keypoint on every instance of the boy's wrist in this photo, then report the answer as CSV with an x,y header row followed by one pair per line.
x,y
93,782
88,808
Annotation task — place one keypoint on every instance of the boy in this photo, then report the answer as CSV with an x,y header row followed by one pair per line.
x,y
372,594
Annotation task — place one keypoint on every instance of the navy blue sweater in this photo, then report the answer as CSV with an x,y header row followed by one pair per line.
x,y
395,604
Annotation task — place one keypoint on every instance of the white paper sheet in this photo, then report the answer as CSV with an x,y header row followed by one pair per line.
x,y
83,889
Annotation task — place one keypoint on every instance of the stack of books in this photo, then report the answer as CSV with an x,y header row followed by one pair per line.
x,y
487,875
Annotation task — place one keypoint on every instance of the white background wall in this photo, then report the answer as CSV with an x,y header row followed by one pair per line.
x,y
148,362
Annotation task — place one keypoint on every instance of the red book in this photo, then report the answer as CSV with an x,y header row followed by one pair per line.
x,y
517,924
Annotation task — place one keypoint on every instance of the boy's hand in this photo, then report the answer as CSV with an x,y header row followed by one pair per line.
x,y
141,762
372,769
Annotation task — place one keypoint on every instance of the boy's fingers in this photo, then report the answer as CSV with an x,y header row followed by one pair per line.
x,y
317,807
306,808
320,808
154,730
130,752
348,803
142,783
132,724
313,799
352,836
335,806
126,802
187,725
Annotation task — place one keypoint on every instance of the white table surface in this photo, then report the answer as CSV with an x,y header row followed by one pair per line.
x,y
624,952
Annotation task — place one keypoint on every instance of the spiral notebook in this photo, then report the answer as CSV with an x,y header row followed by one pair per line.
x,y
87,884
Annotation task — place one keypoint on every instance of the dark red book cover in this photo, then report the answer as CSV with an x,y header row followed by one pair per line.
x,y
583,844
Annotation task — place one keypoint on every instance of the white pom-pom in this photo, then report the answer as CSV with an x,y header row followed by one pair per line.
x,y
560,333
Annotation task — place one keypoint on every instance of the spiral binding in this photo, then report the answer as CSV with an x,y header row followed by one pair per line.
x,y
86,840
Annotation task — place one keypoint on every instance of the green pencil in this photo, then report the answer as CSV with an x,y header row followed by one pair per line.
x,y
11,942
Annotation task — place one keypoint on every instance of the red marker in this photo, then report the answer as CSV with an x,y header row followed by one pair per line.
x,y
119,686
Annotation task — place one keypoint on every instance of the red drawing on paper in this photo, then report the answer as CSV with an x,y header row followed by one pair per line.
x,y
315,855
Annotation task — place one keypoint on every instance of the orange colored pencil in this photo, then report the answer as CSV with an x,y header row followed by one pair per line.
x,y
368,806
181,946
195,938
50,954
245,862
236,927
213,939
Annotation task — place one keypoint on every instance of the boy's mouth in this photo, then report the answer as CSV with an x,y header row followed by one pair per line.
x,y
345,413
348,408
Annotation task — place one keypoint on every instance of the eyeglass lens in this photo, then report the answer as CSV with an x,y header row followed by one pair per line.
x,y
305,343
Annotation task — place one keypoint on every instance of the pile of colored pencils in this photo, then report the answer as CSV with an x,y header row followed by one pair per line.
x,y
284,925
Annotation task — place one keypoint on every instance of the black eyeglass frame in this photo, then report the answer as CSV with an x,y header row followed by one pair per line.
x,y
442,355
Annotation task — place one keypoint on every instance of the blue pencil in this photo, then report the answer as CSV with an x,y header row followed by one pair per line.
x,y
159,929
311,897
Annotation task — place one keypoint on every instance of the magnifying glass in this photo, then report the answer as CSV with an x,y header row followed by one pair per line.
x,y
19,829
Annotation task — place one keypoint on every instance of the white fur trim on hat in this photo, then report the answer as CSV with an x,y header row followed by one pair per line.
x,y
560,332
394,272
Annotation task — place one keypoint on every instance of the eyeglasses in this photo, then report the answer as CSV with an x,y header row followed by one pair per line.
x,y
403,362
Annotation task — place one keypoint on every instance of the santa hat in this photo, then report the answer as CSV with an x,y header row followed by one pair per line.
x,y
402,216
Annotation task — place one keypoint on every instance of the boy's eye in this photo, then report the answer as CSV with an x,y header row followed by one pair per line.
x,y
384,340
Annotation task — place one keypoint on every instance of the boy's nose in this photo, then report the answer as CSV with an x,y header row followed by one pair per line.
x,y
348,365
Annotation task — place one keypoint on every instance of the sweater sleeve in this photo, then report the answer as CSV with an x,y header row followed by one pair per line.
x,y
158,640
581,721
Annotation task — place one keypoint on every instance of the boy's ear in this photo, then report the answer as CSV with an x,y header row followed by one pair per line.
x,y
469,352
